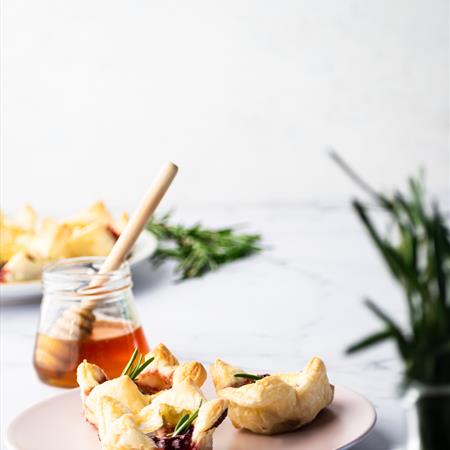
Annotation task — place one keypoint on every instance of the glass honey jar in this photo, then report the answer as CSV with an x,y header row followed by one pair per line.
x,y
105,332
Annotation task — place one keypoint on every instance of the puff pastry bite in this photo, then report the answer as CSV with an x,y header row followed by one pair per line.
x,y
127,418
165,369
269,404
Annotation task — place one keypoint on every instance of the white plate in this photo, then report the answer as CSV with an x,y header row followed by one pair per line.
x,y
58,423
26,291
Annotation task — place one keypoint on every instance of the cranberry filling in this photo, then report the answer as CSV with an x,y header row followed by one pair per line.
x,y
163,440
181,442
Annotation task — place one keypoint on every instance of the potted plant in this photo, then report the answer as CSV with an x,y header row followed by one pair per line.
x,y
416,250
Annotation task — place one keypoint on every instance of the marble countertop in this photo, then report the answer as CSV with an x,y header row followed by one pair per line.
x,y
301,297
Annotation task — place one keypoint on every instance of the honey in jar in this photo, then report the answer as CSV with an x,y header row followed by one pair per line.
x,y
113,334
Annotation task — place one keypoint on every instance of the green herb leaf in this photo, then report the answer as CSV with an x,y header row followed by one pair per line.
x,y
130,362
250,376
370,340
133,370
185,422
132,376
142,367
198,250
180,423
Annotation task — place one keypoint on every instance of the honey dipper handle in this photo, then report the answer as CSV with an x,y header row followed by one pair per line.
x,y
139,218
78,321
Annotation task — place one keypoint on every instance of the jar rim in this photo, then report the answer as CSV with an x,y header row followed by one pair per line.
x,y
69,276
62,268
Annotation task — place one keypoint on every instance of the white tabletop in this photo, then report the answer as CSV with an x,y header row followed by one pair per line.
x,y
299,298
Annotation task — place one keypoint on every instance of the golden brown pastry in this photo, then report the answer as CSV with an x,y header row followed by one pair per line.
x,y
168,407
89,376
117,427
128,419
165,370
123,434
210,416
154,426
273,403
123,389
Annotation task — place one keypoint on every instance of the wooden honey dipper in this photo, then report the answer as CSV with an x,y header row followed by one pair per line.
x,y
77,322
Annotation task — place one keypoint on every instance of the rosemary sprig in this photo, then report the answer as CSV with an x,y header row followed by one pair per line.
x,y
136,367
129,363
416,250
197,249
179,424
185,422
249,376
134,370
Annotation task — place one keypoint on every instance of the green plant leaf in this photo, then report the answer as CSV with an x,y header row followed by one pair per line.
x,y
369,341
383,246
249,376
416,250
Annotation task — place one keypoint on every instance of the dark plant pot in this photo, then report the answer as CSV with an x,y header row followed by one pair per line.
x,y
428,417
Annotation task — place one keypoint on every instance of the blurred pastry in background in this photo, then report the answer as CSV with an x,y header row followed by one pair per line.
x,y
27,243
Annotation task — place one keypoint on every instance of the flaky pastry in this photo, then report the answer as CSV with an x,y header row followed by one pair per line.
x,y
270,404
127,419
165,370
154,425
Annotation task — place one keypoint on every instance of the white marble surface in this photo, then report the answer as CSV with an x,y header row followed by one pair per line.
x,y
299,298
226,89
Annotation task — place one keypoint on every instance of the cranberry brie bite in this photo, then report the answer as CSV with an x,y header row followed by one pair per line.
x,y
127,418
269,404
164,370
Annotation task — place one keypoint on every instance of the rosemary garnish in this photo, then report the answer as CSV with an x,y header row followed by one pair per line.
x,y
134,371
136,367
179,424
249,376
185,422
197,249
129,363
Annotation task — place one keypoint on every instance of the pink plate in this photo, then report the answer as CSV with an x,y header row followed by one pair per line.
x,y
58,423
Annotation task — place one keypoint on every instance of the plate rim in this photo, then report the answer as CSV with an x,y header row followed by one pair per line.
x,y
9,440
371,427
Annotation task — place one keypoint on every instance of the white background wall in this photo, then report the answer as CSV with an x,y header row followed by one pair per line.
x,y
244,95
